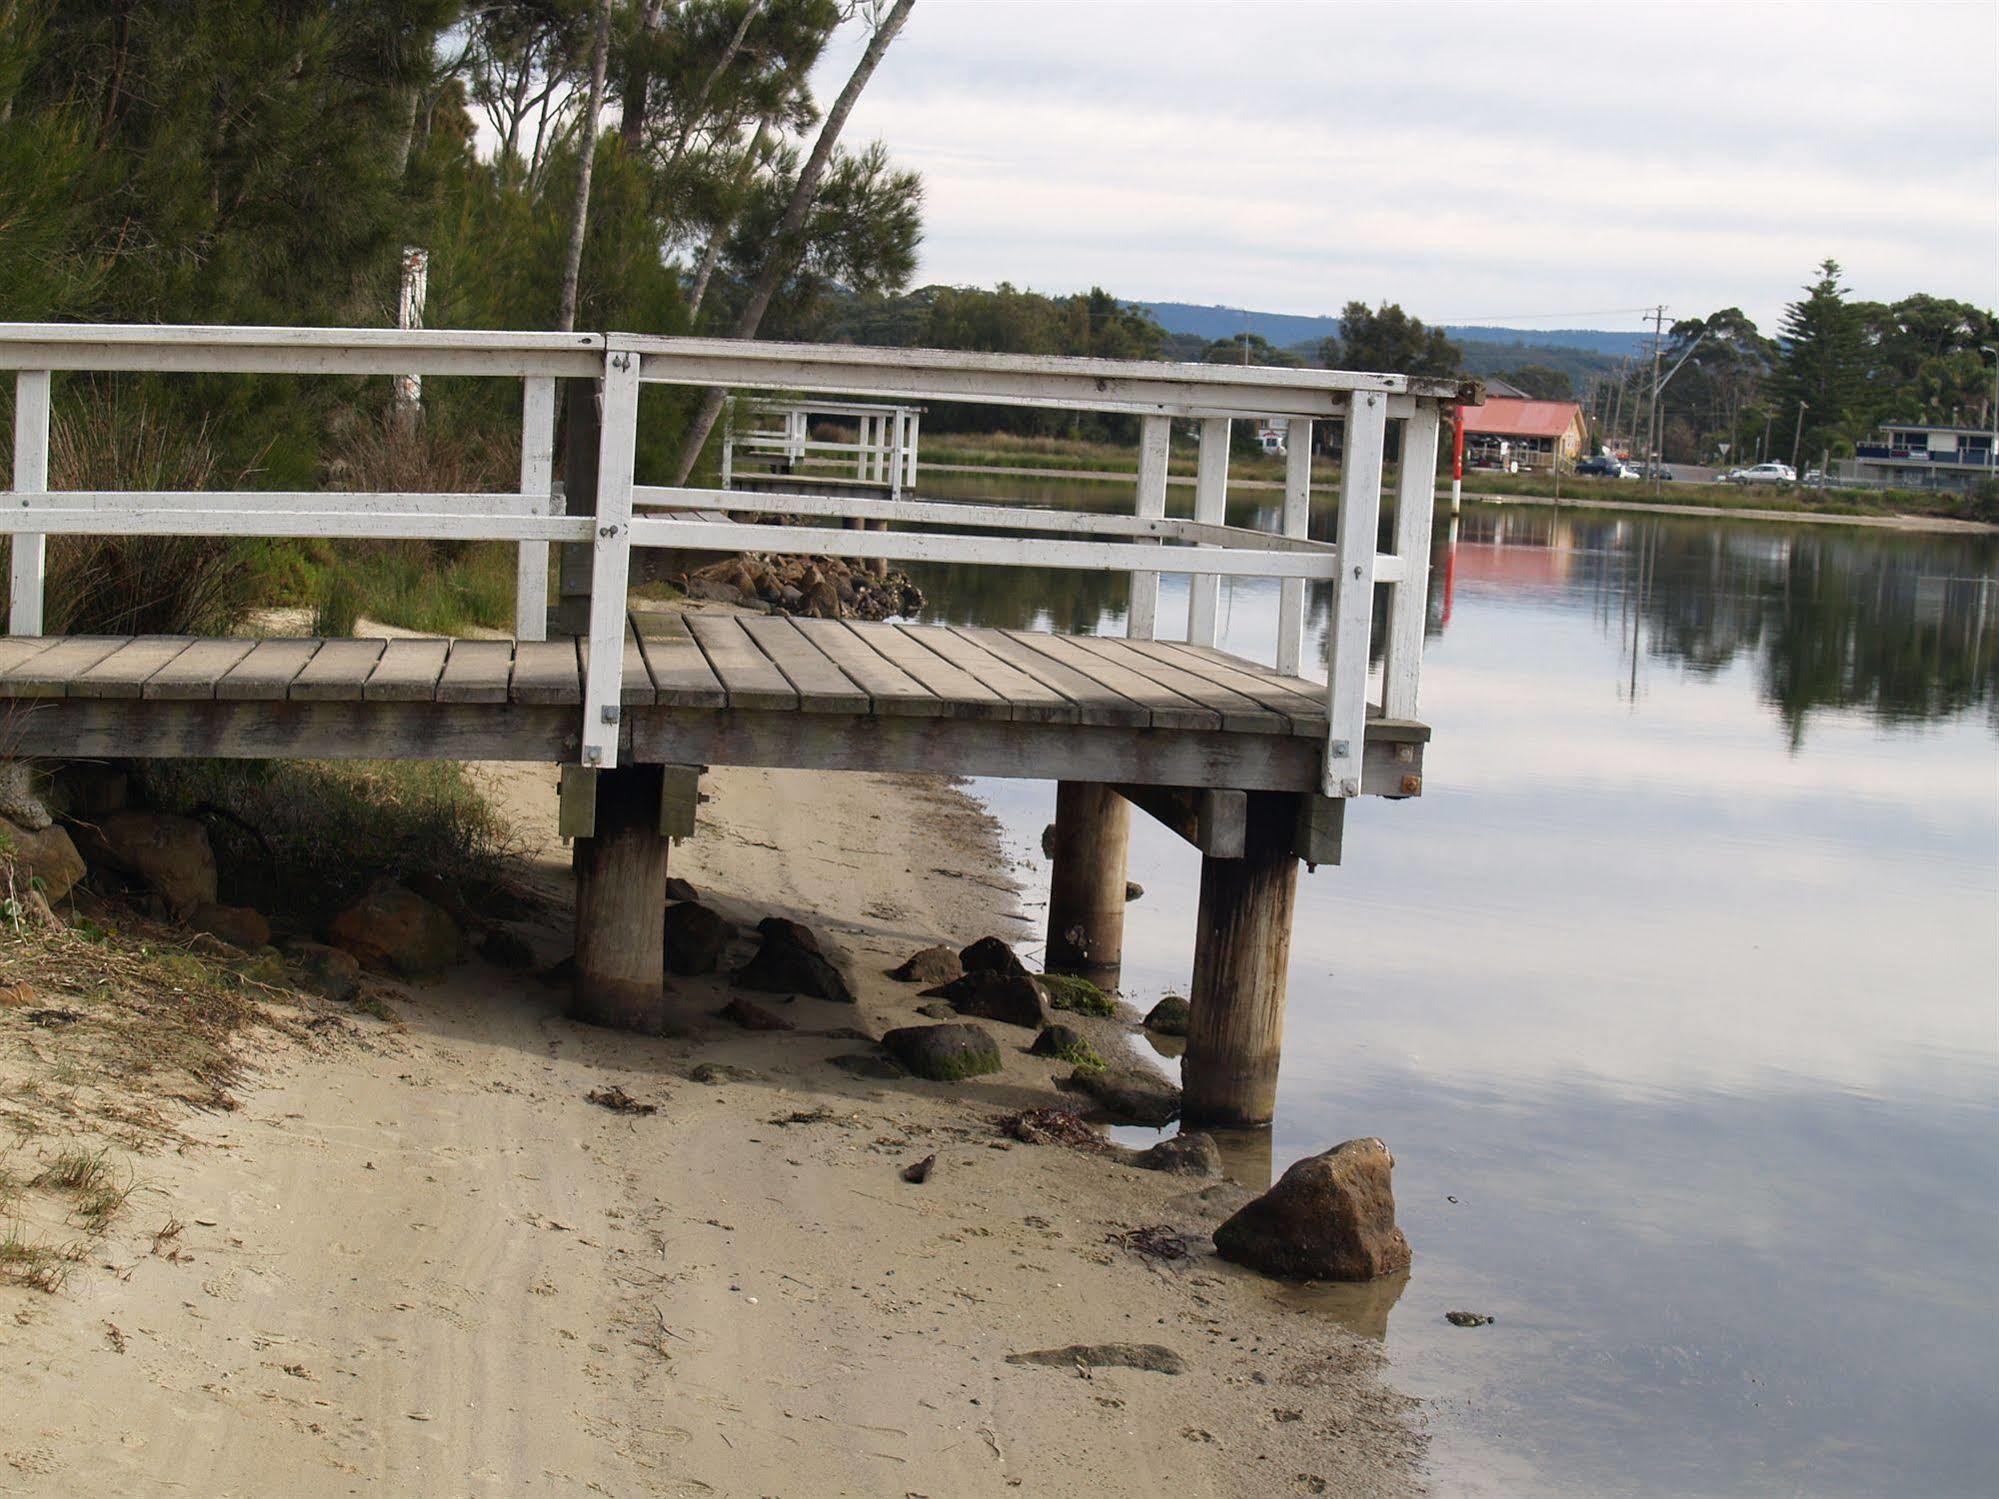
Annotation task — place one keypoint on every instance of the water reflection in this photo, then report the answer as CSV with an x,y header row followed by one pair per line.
x,y
1681,979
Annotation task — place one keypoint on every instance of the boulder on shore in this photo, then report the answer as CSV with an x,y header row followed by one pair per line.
x,y
678,889
394,930
696,936
1132,1095
325,971
1194,1154
47,854
237,925
169,855
788,961
1010,998
1169,1017
944,1053
752,1016
1330,1217
991,955
929,965
1066,1044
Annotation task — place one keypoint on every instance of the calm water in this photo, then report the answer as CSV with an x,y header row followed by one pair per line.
x,y
1681,978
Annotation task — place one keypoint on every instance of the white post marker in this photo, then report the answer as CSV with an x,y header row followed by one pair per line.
x,y
611,558
1155,433
538,487
1296,523
1409,605
414,292
31,476
1211,503
1353,595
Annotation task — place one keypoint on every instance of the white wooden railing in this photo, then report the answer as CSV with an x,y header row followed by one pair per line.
x,y
1146,544
882,454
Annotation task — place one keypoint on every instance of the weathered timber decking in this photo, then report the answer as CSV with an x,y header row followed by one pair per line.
x,y
705,689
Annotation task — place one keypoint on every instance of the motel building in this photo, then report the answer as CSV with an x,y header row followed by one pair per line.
x,y
1515,434
1909,455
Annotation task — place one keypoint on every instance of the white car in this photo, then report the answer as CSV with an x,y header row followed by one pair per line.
x,y
1764,473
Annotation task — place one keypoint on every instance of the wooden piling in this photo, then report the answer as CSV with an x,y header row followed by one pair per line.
x,y
1242,948
621,905
1086,887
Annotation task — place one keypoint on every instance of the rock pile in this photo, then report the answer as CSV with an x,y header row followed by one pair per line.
x,y
819,587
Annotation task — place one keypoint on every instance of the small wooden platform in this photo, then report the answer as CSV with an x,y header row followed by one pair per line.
x,y
705,689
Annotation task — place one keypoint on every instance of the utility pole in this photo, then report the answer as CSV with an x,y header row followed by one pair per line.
x,y
1992,458
1798,432
1652,421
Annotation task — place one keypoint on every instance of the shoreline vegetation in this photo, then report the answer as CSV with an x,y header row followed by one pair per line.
x,y
1002,455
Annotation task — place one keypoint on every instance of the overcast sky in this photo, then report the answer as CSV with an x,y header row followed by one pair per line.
x,y
1540,164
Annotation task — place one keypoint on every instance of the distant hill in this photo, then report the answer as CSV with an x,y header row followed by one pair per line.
x,y
1288,329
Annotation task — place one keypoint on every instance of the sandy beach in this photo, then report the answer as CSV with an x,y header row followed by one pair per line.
x,y
417,1259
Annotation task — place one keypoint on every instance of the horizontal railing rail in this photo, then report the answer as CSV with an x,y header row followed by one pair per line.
x,y
812,378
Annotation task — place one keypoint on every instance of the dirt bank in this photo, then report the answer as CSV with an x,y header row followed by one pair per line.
x,y
419,1260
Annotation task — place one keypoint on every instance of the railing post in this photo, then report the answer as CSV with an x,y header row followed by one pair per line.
x,y
1155,434
31,476
909,452
1211,499
1353,594
579,497
1296,523
1409,598
729,443
538,484
610,560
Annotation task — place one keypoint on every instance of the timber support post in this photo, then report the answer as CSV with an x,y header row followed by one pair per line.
x,y
582,428
621,903
1242,949
1086,886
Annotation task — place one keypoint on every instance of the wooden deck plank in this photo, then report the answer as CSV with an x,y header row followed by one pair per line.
x,y
635,687
49,671
1168,708
746,673
266,673
953,683
1033,700
337,672
1305,709
894,692
123,673
191,676
16,650
408,672
821,685
681,675
1198,684
476,671
1091,701
547,671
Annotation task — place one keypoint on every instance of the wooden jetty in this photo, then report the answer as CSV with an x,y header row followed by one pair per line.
x,y
1252,764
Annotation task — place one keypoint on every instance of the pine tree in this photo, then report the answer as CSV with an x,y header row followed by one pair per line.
x,y
1822,367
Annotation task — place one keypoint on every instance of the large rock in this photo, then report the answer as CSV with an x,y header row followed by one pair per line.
x,y
325,971
1194,1154
944,1053
788,961
1330,1217
394,930
1067,1044
46,854
238,925
929,965
696,936
1132,1095
1010,998
991,955
169,855
1169,1017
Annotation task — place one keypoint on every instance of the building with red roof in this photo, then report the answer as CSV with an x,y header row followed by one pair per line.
x,y
1512,433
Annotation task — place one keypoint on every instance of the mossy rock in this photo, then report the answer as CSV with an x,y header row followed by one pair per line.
x,y
1060,1042
944,1053
1078,996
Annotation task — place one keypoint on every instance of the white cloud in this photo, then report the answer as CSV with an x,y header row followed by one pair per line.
x,y
1468,161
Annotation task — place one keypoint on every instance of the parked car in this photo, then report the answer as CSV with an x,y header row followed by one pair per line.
x,y
1765,473
1603,464
1816,478
1655,470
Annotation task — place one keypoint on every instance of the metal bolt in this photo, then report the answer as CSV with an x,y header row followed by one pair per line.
x,y
1406,753
1412,785
1341,748
1349,788
610,714
593,754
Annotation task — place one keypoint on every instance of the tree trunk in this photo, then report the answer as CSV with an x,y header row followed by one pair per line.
x,y
579,217
711,255
784,242
632,121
